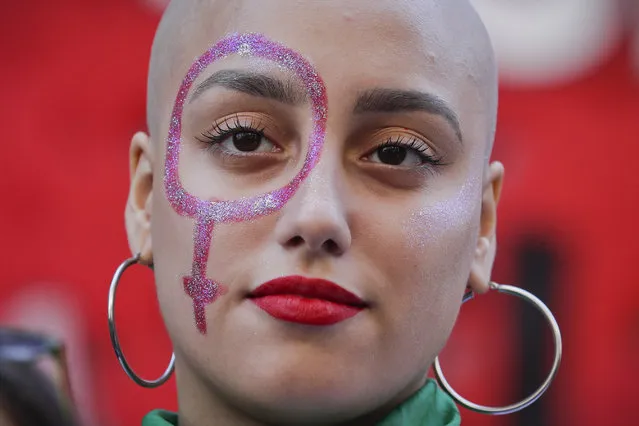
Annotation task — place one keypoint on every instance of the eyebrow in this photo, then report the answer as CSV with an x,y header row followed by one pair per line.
x,y
254,84
395,100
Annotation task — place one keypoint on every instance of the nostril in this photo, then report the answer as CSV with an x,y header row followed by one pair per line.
x,y
296,241
331,247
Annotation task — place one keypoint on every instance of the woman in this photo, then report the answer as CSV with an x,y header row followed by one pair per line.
x,y
314,197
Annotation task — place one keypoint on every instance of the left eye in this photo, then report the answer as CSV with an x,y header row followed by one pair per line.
x,y
397,155
246,141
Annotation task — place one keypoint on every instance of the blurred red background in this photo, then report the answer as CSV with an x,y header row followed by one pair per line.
x,y
73,81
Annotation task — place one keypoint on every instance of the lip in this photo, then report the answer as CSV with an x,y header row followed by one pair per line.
x,y
310,301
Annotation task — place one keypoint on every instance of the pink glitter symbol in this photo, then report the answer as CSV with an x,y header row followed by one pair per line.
x,y
202,290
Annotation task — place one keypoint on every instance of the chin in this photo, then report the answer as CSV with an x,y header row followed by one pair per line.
x,y
304,387
307,401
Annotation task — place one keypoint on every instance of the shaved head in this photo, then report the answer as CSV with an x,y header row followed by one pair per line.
x,y
455,33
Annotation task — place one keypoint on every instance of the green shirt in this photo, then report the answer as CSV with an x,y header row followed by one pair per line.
x,y
428,407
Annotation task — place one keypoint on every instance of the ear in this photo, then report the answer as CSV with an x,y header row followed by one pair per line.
x,y
486,249
138,206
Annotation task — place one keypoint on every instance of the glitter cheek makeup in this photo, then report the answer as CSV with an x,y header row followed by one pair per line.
x,y
206,213
437,233
430,224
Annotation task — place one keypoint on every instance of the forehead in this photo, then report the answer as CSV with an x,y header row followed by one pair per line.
x,y
368,39
354,45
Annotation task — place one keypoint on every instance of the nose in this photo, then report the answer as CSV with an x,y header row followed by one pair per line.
x,y
314,220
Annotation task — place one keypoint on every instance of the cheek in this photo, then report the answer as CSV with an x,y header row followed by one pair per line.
x,y
234,254
435,256
172,237
238,250
440,241
443,234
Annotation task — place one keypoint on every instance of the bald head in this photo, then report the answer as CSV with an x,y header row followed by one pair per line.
x,y
445,36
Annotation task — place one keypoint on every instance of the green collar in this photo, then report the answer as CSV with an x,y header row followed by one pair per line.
x,y
428,407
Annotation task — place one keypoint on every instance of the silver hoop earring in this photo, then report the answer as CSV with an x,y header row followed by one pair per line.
x,y
114,336
532,299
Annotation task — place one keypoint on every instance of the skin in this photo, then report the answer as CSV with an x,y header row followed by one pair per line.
x,y
437,223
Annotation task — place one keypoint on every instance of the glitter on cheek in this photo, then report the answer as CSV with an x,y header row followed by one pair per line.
x,y
436,237
202,290
430,225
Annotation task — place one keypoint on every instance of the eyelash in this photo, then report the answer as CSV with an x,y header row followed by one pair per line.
x,y
219,132
415,145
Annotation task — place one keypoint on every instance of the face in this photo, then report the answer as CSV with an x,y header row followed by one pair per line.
x,y
358,159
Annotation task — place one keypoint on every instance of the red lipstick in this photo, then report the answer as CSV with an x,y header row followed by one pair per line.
x,y
310,301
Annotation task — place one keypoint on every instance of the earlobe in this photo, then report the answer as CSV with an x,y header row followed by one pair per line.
x,y
486,248
139,203
479,279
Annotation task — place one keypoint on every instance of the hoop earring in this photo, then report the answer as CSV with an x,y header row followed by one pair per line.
x,y
518,406
114,336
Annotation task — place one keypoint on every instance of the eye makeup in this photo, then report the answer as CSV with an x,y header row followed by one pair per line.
x,y
207,213
239,136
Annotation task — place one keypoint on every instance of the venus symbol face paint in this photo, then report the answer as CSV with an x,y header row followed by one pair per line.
x,y
206,213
